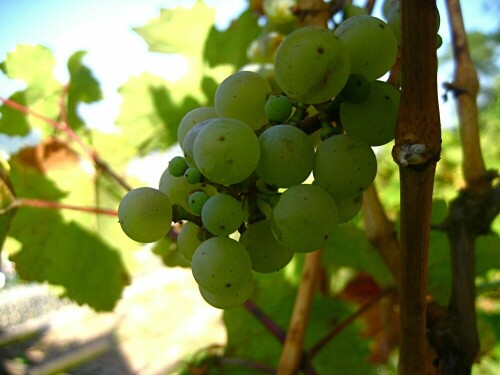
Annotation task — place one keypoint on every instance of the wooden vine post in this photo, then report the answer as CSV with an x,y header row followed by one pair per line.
x,y
416,151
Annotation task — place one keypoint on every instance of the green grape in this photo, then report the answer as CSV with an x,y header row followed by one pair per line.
x,y
344,165
226,151
373,119
279,12
312,65
286,156
242,96
356,89
348,206
222,215
221,265
263,49
193,118
371,45
177,166
229,300
192,175
178,189
278,108
188,144
266,253
304,218
353,10
188,240
394,21
197,200
145,214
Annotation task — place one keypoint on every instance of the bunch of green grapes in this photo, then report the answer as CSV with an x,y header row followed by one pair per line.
x,y
253,186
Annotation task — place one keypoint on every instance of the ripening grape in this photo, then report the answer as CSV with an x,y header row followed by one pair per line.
x,y
178,189
373,119
192,175
263,49
145,214
226,151
304,218
222,214
193,118
278,108
177,166
345,165
188,143
312,65
229,300
242,96
286,156
356,89
266,253
348,206
221,265
371,45
279,11
197,200
188,240
351,10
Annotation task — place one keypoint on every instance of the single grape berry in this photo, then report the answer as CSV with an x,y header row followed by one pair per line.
x,y
278,108
356,89
197,200
192,175
177,166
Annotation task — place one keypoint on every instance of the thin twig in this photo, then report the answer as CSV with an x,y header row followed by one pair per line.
x,y
39,203
64,127
270,325
345,323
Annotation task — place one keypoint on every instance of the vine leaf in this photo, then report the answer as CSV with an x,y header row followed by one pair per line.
x,y
234,41
35,66
149,116
60,247
82,88
7,197
247,338
349,247
178,30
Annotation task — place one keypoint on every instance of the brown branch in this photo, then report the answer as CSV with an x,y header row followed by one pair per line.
x,y
64,127
465,88
291,355
470,215
416,151
39,203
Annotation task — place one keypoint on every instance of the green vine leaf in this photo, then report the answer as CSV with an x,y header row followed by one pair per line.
x,y
35,66
178,30
234,41
82,88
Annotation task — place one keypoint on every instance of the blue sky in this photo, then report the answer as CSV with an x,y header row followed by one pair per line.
x,y
116,53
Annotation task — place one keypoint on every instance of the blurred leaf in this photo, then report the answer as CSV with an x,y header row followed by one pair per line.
x,y
350,248
248,338
59,251
149,117
35,66
178,30
234,41
82,88
7,197
91,273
